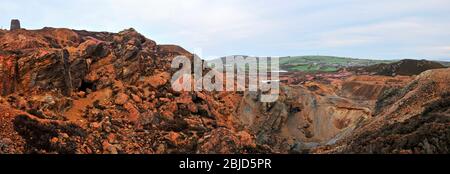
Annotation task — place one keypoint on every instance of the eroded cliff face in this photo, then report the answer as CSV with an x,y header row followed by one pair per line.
x,y
315,113
411,119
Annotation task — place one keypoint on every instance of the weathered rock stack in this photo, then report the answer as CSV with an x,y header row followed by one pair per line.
x,y
15,24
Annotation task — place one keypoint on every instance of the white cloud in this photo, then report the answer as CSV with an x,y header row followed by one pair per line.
x,y
255,27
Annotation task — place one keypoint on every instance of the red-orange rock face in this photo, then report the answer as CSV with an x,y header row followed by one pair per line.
x,y
112,88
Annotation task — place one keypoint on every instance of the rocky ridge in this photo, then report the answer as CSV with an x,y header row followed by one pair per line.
x,y
97,92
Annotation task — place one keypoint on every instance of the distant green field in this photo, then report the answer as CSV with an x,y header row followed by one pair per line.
x,y
324,63
310,68
320,63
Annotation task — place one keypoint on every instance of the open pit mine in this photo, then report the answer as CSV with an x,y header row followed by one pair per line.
x,y
68,91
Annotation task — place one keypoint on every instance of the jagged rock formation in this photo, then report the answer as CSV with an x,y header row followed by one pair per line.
x,y
70,91
98,92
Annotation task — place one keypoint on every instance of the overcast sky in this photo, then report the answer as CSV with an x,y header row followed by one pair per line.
x,y
382,29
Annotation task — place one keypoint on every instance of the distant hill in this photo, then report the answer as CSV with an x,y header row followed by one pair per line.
x,y
324,63
327,63
403,67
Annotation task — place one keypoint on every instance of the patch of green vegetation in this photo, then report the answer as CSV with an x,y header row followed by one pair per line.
x,y
311,68
324,63
316,63
329,69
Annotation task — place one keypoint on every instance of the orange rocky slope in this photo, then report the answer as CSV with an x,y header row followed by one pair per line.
x,y
67,91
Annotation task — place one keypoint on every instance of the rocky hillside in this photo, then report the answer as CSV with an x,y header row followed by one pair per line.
x,y
317,113
67,91
405,67
412,119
